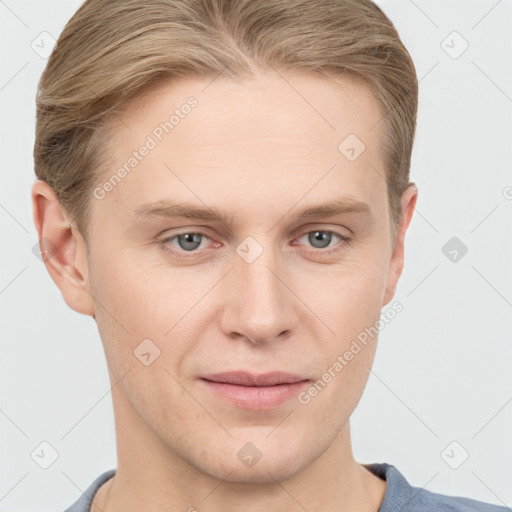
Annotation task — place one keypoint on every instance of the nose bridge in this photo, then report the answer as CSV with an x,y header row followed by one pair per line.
x,y
260,306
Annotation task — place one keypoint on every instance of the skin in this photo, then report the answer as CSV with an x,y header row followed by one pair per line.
x,y
260,152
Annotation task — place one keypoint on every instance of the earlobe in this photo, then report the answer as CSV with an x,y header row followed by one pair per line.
x,y
396,263
63,249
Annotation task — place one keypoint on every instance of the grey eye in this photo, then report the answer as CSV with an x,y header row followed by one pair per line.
x,y
189,241
320,239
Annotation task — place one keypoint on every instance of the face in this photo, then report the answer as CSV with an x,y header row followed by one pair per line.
x,y
242,239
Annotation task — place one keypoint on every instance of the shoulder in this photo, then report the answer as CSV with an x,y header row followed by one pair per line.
x,y
400,495
425,501
83,503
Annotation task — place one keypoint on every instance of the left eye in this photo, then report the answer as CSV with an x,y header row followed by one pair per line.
x,y
321,239
188,241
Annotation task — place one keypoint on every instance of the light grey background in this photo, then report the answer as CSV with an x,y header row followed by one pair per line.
x,y
442,369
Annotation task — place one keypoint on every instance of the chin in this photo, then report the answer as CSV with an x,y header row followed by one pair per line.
x,y
263,462
263,472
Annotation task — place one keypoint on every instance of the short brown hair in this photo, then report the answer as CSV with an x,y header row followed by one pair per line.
x,y
112,49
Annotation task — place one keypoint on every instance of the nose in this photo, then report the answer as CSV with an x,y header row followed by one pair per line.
x,y
258,305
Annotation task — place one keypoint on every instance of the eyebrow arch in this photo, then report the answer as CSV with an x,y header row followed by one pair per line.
x,y
169,209
334,207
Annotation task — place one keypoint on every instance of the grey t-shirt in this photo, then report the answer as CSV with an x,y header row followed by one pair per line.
x,y
400,496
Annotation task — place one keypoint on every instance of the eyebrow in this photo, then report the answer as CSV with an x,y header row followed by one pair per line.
x,y
170,209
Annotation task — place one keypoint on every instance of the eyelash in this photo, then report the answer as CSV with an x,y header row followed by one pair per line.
x,y
164,243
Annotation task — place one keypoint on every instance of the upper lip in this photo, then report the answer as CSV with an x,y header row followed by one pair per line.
x,y
244,378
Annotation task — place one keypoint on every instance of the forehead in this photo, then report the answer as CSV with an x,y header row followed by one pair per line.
x,y
303,102
258,136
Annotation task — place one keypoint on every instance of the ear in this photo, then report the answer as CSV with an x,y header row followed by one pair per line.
x,y
396,263
63,249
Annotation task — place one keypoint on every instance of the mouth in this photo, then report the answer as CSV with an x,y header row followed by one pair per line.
x,y
255,391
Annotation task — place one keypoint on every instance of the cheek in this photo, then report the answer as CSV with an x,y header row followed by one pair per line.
x,y
351,307
350,294
136,292
141,302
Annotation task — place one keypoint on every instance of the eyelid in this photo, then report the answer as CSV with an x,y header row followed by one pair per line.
x,y
166,241
319,227
344,240
336,233
201,233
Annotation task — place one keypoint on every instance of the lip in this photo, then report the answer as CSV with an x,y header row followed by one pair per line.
x,y
255,391
243,378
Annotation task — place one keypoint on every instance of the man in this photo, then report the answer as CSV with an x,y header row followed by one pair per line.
x,y
224,187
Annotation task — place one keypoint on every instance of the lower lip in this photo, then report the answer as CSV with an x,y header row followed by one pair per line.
x,y
257,398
